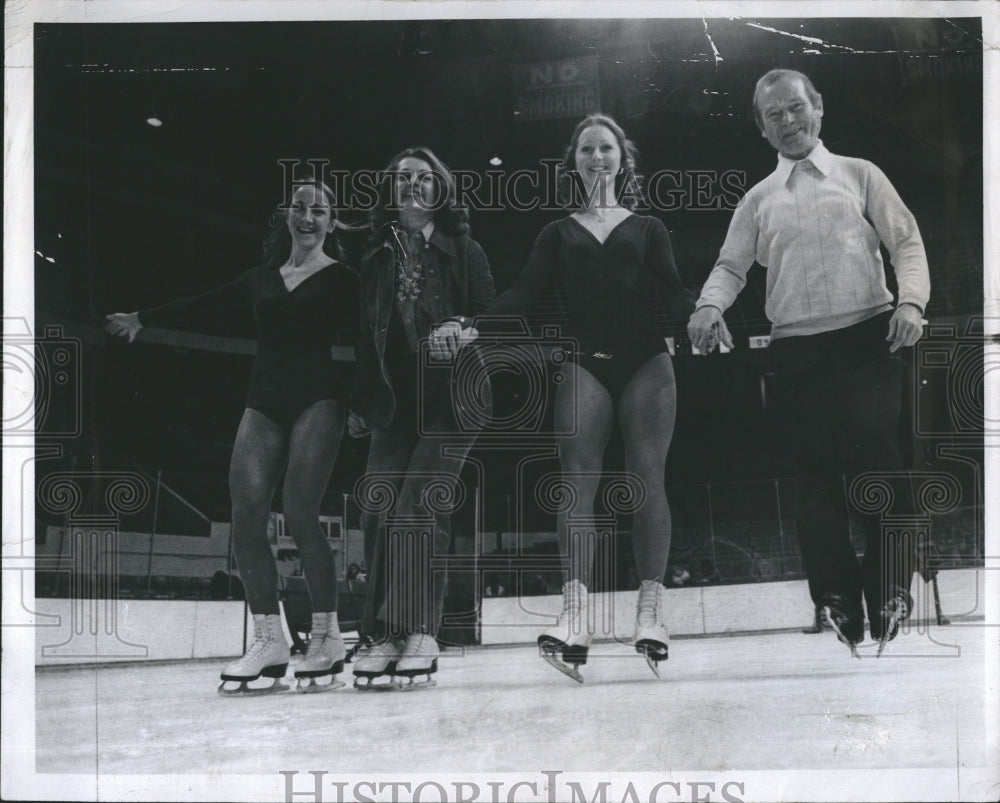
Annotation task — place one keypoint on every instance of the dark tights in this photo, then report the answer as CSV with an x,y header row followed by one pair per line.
x,y
646,412
263,450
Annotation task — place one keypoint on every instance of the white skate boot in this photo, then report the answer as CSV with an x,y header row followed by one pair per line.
x,y
267,655
571,635
378,661
651,635
325,656
419,658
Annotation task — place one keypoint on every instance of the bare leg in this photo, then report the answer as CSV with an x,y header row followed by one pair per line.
x,y
254,471
312,451
581,457
647,409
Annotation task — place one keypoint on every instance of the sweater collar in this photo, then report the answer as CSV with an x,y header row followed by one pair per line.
x,y
819,157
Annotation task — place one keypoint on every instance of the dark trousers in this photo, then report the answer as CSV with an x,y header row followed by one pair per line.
x,y
842,396
414,470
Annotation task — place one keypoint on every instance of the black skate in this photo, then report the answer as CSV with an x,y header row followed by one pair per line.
x,y
895,611
572,656
837,613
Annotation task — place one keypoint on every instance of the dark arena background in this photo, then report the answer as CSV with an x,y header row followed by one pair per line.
x,y
130,214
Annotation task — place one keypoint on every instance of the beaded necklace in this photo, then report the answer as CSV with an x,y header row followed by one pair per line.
x,y
409,283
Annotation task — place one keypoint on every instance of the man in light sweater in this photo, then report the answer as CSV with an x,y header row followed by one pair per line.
x,y
838,342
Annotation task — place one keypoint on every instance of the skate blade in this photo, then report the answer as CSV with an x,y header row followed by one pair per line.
x,y
891,630
651,662
653,653
311,685
566,669
415,685
370,685
897,613
832,624
245,690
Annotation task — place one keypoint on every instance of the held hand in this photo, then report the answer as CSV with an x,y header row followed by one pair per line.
x,y
447,339
707,329
906,327
122,324
357,427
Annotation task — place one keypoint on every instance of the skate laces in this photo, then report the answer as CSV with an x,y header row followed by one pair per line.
x,y
415,644
319,636
316,642
260,640
649,602
573,595
896,607
387,648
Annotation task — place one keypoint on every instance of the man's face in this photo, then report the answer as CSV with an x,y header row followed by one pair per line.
x,y
791,121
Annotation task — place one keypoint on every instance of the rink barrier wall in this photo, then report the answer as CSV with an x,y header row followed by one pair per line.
x,y
99,631
717,610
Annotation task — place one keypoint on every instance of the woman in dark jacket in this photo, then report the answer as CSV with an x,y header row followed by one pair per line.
x,y
420,269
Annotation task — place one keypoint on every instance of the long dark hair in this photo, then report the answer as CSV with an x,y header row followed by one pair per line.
x,y
278,240
452,219
567,190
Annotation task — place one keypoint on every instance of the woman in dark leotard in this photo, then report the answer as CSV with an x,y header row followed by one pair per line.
x,y
610,267
301,299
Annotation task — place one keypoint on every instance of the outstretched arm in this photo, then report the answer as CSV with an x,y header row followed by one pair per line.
x,y
178,313
706,327
453,334
536,274
123,324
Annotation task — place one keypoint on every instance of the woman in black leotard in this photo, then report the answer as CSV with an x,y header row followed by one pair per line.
x,y
301,298
610,267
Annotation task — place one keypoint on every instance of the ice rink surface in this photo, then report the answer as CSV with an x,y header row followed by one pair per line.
x,y
754,702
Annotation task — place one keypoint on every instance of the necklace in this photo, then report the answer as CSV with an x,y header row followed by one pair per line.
x,y
409,268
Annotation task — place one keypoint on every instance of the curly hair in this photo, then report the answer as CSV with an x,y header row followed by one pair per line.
x,y
567,190
452,219
278,240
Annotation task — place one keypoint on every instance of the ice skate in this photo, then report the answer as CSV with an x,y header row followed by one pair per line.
x,y
420,657
651,635
324,659
359,650
379,661
895,611
565,646
837,613
267,655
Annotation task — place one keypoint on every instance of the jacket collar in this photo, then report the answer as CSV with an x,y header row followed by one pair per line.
x,y
437,238
442,241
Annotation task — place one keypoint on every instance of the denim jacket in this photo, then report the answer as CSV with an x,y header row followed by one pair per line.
x,y
457,282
